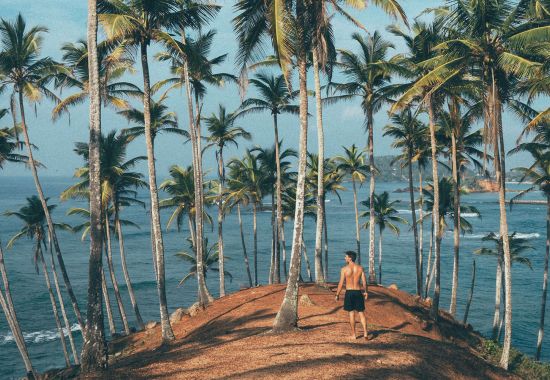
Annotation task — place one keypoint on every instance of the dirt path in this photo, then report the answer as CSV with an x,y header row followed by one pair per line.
x,y
231,340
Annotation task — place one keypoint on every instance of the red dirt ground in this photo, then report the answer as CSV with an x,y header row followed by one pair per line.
x,y
230,339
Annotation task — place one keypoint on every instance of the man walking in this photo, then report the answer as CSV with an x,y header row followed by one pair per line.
x,y
352,274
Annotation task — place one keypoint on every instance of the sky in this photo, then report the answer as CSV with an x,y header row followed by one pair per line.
x,y
66,22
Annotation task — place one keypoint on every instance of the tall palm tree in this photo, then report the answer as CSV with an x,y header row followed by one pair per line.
x,y
33,219
274,97
248,180
28,75
538,174
367,74
223,132
8,146
181,188
353,163
407,131
385,215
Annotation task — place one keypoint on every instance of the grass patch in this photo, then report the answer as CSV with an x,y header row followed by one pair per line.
x,y
520,364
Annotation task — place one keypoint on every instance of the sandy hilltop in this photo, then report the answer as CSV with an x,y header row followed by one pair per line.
x,y
230,339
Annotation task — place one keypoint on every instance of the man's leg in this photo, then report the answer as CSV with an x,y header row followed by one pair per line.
x,y
363,318
352,324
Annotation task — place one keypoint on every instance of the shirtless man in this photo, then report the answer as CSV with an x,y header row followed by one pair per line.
x,y
354,301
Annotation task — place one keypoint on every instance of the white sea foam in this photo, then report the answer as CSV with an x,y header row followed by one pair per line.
x,y
519,235
38,336
469,215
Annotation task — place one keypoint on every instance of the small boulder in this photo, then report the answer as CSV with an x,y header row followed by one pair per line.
x,y
177,315
306,301
428,302
194,309
151,325
393,287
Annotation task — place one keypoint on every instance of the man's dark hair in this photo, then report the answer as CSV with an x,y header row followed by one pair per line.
x,y
352,255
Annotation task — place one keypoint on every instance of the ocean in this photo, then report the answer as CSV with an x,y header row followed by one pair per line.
x,y
34,310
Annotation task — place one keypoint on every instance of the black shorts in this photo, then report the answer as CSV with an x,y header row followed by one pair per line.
x,y
354,300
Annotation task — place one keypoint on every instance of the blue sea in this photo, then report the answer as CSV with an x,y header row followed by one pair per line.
x,y
34,309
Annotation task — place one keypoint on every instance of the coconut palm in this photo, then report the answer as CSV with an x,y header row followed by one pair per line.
x,y
28,74
367,74
8,146
181,189
210,260
274,97
353,163
223,132
385,215
33,219
538,175
407,132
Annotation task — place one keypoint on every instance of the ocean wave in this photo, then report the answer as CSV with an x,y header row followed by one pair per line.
x,y
519,235
469,215
40,336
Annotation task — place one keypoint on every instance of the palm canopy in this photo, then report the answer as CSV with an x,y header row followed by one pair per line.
x,y
247,182
8,147
267,158
409,135
385,214
210,260
222,129
518,246
113,61
84,213
353,163
289,203
332,176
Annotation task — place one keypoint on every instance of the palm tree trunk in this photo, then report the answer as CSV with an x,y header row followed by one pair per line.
x,y
54,305
47,214
245,255
415,229
456,225
380,258
194,131
273,241
306,258
319,273
278,189
127,279
110,319
428,267
421,226
221,261
255,232
471,295
62,306
326,238
94,349
544,282
358,236
370,127
283,248
498,293
167,333
435,211
11,317
114,281
287,317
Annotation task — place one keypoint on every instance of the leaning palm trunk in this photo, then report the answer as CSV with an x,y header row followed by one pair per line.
x,y
11,317
281,244
471,295
273,242
94,349
380,257
429,272
498,293
54,304
245,255
326,238
221,260
421,227
62,305
255,232
414,226
287,317
49,221
167,333
370,126
114,281
306,258
108,308
204,295
358,236
319,273
544,282
456,225
435,211
127,279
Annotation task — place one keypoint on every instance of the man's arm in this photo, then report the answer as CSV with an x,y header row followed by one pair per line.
x,y
340,284
365,287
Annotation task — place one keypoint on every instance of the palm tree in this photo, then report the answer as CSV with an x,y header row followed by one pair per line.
x,y
222,133
210,260
28,74
274,97
353,164
181,188
11,317
33,219
367,74
385,215
8,146
407,131
538,174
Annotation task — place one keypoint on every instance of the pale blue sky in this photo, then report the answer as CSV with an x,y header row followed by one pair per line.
x,y
66,21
